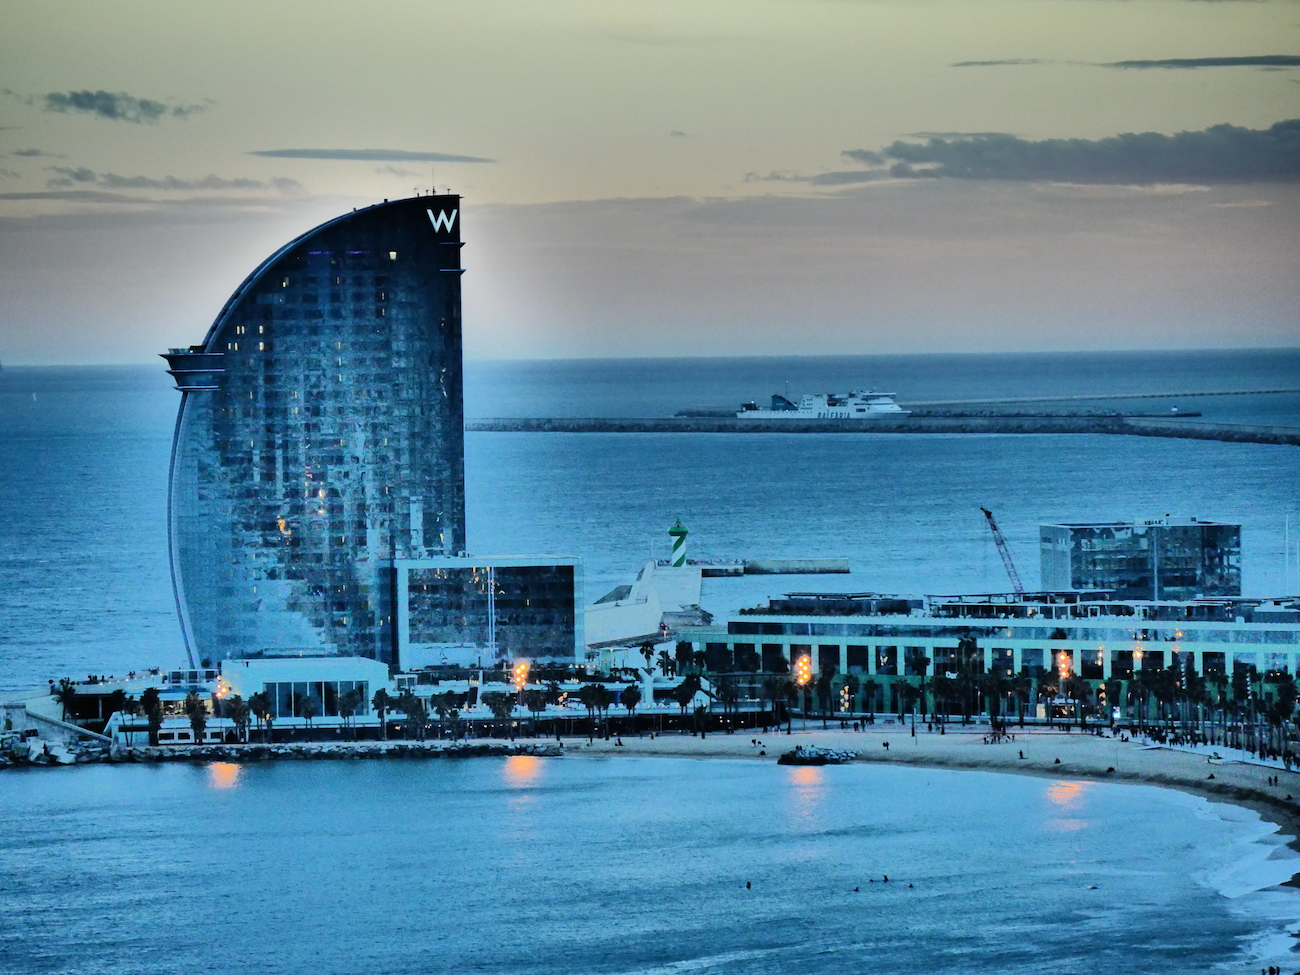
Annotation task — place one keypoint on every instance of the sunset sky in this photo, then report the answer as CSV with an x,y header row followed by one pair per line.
x,y
718,177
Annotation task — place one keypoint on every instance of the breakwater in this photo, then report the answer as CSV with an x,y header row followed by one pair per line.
x,y
39,753
1083,424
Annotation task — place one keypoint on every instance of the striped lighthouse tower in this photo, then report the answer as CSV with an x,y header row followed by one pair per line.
x,y
678,533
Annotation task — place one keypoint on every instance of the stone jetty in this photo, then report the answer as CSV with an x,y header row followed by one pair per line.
x,y
16,752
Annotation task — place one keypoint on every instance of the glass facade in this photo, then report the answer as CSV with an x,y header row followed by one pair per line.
x,y
320,437
287,696
1156,560
535,608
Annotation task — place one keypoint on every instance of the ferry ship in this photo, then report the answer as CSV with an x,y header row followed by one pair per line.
x,y
861,405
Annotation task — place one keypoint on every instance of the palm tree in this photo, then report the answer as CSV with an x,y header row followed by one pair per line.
x,y
349,704
116,703
648,651
381,702
684,693
1049,684
630,697
684,655
587,697
442,705
130,708
824,696
198,715
726,693
238,711
501,705
945,689
919,663
667,666
151,704
66,696
261,706
535,702
1113,688
869,688
994,687
1021,685
306,706
1079,691
1138,692
774,693
603,698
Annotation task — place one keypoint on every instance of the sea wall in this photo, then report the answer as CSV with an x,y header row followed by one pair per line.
x,y
39,753
1134,427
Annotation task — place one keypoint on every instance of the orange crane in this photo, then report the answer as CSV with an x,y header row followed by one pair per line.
x,y
1003,551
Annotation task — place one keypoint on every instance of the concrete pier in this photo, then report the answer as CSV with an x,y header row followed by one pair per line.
x,y
1133,427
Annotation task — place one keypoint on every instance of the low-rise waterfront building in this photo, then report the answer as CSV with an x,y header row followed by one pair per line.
x,y
891,641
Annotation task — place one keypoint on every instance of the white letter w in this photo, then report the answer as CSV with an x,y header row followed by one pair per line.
x,y
441,221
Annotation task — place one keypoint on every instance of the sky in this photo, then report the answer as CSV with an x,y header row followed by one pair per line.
x,y
714,177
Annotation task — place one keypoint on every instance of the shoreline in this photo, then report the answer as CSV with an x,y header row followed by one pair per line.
x,y
1082,756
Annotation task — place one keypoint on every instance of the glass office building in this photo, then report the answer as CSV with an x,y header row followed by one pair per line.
x,y
505,607
1172,558
320,438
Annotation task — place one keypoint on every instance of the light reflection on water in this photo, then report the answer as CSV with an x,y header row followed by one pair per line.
x,y
520,771
223,775
1066,797
806,792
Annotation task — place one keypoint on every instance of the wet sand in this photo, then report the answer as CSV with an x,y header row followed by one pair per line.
x,y
1082,756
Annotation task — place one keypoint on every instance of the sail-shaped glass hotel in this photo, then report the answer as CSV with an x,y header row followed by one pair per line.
x,y
320,438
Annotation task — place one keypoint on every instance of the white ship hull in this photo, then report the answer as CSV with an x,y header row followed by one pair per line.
x,y
860,405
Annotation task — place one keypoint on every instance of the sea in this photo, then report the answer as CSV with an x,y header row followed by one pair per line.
x,y
640,865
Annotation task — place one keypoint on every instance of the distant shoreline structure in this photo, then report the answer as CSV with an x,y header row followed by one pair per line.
x,y
1175,427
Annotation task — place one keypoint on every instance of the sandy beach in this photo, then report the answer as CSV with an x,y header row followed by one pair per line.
x,y
1082,756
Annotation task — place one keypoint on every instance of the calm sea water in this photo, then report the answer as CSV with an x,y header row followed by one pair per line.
x,y
628,866
618,866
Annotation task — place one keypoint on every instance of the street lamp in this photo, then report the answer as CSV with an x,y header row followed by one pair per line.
x,y
519,676
802,675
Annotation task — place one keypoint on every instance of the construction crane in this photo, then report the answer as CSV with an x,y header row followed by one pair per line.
x,y
1005,552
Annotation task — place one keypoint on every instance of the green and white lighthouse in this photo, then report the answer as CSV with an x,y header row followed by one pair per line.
x,y
678,535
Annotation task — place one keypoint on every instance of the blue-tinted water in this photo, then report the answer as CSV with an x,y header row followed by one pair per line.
x,y
626,865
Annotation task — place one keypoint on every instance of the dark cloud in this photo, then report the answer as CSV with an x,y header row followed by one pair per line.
x,y
678,134
991,64
1221,153
68,176
396,171
368,155
37,154
8,173
849,177
1261,61
115,106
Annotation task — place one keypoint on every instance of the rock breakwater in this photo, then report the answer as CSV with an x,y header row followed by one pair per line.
x,y
35,752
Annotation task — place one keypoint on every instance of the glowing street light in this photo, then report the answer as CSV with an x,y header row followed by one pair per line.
x,y
519,675
802,675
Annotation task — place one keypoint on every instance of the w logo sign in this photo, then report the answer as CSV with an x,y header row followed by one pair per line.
x,y
442,221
